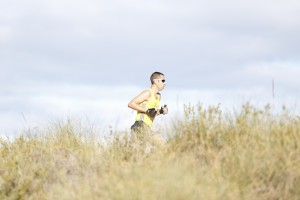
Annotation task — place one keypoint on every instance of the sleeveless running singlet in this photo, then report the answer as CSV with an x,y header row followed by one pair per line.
x,y
151,103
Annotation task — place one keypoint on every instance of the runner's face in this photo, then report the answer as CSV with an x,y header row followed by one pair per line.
x,y
160,82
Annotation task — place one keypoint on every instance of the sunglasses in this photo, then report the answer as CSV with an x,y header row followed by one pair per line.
x,y
162,80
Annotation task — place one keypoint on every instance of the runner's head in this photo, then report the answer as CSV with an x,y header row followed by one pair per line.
x,y
158,79
156,75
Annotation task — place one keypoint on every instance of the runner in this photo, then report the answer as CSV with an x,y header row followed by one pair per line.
x,y
147,104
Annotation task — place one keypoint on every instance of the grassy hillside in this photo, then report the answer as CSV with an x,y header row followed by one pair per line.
x,y
252,154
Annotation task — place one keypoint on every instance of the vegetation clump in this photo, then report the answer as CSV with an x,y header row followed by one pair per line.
x,y
250,154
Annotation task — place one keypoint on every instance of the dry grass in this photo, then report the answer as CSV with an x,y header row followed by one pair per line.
x,y
251,154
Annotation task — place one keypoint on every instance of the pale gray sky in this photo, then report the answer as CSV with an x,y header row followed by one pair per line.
x,y
89,58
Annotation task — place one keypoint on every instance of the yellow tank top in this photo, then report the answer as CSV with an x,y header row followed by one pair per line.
x,y
151,103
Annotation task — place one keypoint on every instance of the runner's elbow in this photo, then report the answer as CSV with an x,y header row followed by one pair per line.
x,y
130,105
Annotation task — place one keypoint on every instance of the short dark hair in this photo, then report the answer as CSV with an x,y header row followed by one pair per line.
x,y
155,75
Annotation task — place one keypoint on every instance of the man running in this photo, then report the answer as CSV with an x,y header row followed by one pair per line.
x,y
147,103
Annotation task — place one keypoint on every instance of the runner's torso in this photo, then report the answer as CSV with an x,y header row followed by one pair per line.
x,y
152,102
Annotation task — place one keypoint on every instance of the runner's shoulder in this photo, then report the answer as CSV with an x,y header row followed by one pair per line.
x,y
146,93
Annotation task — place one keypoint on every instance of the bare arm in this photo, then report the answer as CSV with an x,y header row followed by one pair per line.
x,y
135,103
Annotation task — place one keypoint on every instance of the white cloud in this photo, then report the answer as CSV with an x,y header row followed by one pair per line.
x,y
42,103
284,75
5,34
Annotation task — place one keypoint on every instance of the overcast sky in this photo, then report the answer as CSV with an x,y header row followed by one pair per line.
x,y
87,59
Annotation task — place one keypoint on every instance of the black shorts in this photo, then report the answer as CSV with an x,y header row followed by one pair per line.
x,y
140,126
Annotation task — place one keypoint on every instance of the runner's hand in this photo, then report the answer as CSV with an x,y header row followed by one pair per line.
x,y
164,110
151,112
